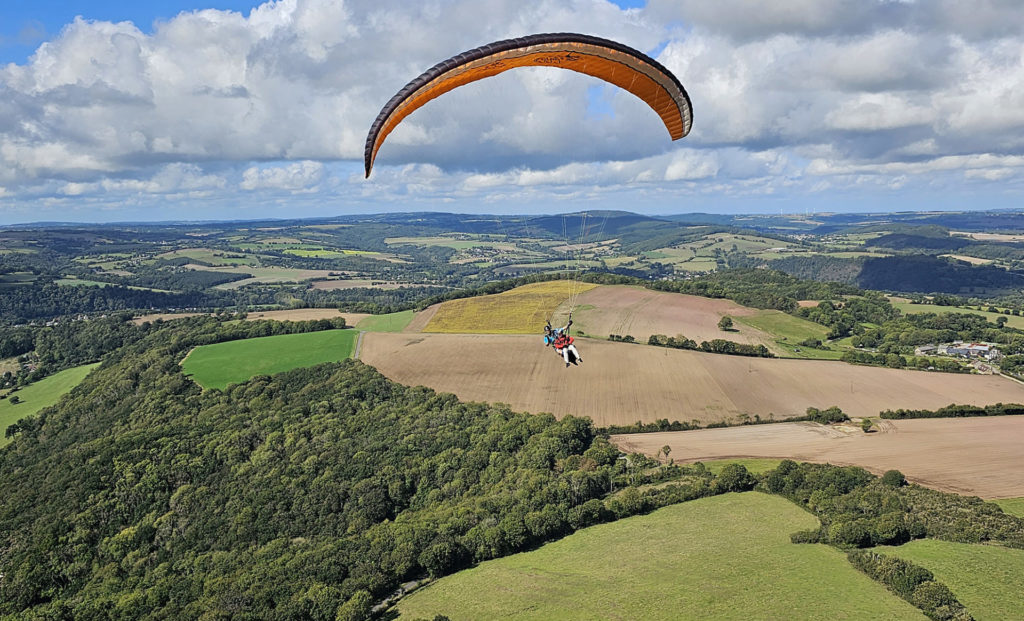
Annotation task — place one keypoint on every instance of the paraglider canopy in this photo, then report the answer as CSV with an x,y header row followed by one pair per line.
x,y
602,58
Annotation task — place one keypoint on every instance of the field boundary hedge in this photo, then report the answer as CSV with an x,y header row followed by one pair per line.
x,y
957,411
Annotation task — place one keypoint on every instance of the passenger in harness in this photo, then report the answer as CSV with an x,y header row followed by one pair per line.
x,y
565,347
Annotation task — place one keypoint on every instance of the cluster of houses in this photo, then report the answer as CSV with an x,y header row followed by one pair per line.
x,y
979,351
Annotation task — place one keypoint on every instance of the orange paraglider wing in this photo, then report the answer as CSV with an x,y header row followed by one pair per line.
x,y
610,61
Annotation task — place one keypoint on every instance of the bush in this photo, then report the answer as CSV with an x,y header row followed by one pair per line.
x,y
357,608
443,557
807,536
915,584
894,478
734,478
853,533
890,529
831,415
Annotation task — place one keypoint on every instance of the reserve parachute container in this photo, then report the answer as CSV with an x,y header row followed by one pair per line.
x,y
607,60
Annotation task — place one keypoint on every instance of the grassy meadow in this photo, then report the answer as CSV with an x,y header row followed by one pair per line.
x,y
754,465
789,331
522,310
220,364
909,308
392,322
1013,506
208,255
726,557
327,253
39,395
987,579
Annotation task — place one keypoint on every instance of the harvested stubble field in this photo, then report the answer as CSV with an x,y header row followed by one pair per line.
x,y
621,383
522,310
639,312
973,456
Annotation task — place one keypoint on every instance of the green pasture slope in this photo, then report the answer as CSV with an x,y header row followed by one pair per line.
x,y
39,395
726,557
789,331
987,579
220,364
753,464
909,308
392,322
1013,506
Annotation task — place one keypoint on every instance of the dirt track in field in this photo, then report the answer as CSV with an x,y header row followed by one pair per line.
x,y
621,383
642,312
973,456
421,319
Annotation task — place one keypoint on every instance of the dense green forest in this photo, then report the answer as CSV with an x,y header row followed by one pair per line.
x,y
284,497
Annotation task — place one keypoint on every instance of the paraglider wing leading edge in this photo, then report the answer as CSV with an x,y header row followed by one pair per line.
x,y
607,60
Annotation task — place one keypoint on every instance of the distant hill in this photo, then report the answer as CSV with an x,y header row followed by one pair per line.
x,y
909,273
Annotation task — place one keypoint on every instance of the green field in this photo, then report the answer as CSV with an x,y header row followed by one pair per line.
x,y
392,322
755,465
327,253
39,395
1014,321
1013,506
216,366
988,580
449,242
17,278
559,264
81,282
727,557
213,257
789,331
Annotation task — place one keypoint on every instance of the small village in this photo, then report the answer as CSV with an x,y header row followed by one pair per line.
x,y
984,357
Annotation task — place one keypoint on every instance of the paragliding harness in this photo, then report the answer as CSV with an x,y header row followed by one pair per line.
x,y
563,343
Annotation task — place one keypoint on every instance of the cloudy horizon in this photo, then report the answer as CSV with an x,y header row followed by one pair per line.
x,y
261,111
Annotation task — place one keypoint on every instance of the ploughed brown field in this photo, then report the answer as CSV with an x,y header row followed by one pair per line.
x,y
620,383
639,312
972,456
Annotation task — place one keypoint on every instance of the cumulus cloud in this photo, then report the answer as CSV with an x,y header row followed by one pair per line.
x,y
790,97
295,177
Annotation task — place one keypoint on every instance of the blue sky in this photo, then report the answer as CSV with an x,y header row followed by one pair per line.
x,y
26,24
863,105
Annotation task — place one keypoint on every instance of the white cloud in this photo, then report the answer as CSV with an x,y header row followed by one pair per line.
x,y
278,102
295,177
